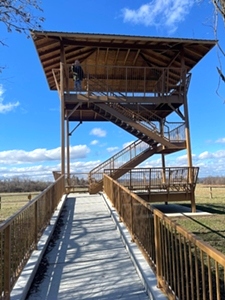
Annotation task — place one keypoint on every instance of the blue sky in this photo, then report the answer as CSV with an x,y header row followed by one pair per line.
x,y
30,112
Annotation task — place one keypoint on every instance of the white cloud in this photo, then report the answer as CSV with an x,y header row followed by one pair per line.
x,y
40,155
98,132
4,108
215,155
112,149
127,144
221,141
94,142
205,155
83,167
159,13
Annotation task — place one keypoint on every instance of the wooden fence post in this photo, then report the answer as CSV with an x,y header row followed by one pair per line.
x,y
210,192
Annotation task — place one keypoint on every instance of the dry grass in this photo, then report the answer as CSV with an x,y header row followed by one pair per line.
x,y
210,228
12,202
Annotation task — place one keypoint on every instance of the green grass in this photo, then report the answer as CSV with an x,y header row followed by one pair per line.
x,y
12,202
210,228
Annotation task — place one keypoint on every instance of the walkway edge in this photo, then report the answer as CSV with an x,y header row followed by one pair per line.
x,y
144,271
25,279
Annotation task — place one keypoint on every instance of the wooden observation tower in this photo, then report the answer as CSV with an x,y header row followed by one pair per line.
x,y
140,84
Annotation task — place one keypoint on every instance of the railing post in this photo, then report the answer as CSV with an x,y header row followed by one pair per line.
x,y
132,218
36,223
119,204
7,262
158,249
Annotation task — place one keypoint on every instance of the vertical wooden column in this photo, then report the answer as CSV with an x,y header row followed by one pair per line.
x,y
187,134
163,155
62,108
186,116
68,147
62,113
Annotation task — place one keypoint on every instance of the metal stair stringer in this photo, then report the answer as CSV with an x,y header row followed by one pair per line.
x,y
131,125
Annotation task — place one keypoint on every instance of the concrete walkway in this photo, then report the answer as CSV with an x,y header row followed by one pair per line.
x,y
90,256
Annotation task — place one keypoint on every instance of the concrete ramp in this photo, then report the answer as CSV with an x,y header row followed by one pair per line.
x,y
86,257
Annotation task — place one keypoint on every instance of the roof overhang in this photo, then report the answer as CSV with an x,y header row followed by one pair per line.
x,y
116,50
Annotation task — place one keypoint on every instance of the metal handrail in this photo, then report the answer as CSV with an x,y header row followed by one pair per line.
x,y
20,233
113,162
126,81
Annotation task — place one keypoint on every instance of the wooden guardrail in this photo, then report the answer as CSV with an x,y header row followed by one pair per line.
x,y
185,266
20,233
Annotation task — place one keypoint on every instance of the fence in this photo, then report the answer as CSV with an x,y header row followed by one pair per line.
x,y
185,267
20,233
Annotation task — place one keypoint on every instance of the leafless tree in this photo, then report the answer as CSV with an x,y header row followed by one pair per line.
x,y
220,7
219,12
20,16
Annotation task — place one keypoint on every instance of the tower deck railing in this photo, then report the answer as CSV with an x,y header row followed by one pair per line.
x,y
127,81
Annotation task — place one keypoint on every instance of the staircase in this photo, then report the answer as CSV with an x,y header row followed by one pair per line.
x,y
117,165
148,134
133,123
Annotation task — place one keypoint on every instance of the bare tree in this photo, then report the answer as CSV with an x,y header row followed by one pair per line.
x,y
20,16
220,11
220,7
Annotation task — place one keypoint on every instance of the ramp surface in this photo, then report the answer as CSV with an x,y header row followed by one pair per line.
x,y
86,258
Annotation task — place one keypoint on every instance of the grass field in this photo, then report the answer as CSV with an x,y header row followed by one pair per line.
x,y
10,203
210,228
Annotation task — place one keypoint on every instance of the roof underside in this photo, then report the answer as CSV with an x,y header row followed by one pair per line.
x,y
116,50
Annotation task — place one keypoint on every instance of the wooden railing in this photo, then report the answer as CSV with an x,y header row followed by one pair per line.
x,y
185,267
20,233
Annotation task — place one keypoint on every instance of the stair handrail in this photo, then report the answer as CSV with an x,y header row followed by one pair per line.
x,y
112,159
136,117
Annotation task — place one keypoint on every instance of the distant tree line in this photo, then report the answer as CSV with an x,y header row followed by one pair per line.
x,y
76,181
212,180
18,185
